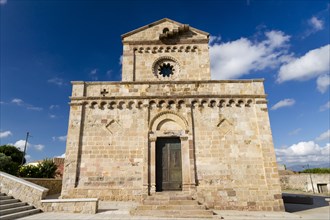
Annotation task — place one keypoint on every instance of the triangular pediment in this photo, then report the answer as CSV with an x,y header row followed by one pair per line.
x,y
156,31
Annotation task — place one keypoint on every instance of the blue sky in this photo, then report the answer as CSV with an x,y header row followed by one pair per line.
x,y
45,44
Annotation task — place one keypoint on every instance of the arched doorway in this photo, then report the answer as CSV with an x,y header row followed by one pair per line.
x,y
170,154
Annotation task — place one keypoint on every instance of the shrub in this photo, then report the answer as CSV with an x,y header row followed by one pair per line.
x,y
316,170
45,169
29,171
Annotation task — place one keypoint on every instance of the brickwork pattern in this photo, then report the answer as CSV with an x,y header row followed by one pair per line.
x,y
54,185
82,206
303,181
22,189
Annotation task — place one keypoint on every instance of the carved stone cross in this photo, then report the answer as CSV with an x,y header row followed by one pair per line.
x,y
104,92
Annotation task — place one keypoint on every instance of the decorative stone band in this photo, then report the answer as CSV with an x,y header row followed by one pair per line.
x,y
168,102
166,49
160,42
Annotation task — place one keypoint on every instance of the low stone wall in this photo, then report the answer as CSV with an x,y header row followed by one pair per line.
x,y
54,185
22,189
85,206
303,182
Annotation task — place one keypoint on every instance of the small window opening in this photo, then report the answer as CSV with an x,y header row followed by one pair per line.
x,y
165,30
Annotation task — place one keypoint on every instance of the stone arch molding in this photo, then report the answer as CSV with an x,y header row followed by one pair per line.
x,y
165,116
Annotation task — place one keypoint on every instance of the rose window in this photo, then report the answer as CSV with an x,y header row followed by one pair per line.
x,y
166,70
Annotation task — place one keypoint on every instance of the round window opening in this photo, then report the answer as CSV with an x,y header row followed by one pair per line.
x,y
166,70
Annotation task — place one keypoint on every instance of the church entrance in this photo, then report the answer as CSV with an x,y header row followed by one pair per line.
x,y
168,164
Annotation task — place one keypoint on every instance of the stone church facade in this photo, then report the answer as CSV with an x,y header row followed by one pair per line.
x,y
168,127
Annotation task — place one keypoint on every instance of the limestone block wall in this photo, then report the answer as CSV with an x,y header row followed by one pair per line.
x,y
303,182
189,58
21,189
83,206
235,159
168,89
231,156
54,185
143,48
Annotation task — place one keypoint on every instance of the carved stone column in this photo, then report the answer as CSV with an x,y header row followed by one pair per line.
x,y
186,180
152,165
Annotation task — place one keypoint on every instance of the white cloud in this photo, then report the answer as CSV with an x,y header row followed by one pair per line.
x,y
93,74
121,60
17,101
283,103
57,81
214,39
62,138
34,108
2,2
109,73
20,102
314,63
316,23
325,107
52,116
52,107
59,138
39,147
62,156
4,134
236,58
323,82
302,153
28,157
20,144
295,132
324,136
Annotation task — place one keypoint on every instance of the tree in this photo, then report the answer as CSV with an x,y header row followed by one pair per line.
x,y
7,165
12,151
10,159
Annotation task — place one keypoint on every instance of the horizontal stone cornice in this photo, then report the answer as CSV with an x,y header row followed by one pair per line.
x,y
170,97
161,43
168,82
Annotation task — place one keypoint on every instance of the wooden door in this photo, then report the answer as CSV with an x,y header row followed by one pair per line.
x,y
168,164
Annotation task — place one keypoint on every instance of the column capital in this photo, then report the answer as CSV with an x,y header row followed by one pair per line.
x,y
184,138
152,138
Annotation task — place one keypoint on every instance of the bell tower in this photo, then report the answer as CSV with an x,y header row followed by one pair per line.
x,y
165,51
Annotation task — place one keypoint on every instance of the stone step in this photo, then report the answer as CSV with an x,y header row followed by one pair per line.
x,y
15,210
5,197
20,214
2,194
169,202
170,207
7,201
12,205
175,213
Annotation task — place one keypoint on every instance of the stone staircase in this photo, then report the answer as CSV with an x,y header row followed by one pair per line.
x,y
172,205
11,208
